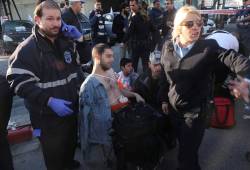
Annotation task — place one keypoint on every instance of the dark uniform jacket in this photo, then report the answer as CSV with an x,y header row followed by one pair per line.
x,y
97,22
189,78
83,48
69,17
39,69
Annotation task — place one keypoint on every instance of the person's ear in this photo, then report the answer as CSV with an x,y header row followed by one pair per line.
x,y
37,20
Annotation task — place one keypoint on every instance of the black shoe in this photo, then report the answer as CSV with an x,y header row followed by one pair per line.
x,y
74,164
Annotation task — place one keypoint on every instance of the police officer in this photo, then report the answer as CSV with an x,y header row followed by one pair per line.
x,y
5,109
71,16
97,22
43,70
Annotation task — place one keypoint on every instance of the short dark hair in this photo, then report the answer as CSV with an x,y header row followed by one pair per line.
x,y
123,6
62,4
47,4
100,48
125,61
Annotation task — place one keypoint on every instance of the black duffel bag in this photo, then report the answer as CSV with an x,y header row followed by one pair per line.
x,y
136,136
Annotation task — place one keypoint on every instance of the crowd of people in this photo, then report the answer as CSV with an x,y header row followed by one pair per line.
x,y
175,90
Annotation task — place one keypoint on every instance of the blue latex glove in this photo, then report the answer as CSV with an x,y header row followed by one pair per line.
x,y
36,132
70,31
60,107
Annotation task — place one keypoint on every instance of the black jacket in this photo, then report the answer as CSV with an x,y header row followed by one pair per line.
x,y
141,32
189,78
119,23
83,48
39,69
97,22
156,16
150,89
69,17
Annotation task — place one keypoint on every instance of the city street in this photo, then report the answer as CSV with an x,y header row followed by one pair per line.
x,y
222,149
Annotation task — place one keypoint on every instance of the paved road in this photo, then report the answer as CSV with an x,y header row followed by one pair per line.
x,y
220,150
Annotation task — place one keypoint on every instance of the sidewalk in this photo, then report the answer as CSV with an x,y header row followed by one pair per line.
x,y
221,149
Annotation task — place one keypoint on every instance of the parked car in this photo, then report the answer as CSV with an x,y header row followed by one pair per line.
x,y
14,32
86,27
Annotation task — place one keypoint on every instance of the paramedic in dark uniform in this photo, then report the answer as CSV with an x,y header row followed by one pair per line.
x,y
43,70
71,16
97,22
188,62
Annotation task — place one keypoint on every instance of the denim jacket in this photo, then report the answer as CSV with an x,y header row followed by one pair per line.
x,y
95,119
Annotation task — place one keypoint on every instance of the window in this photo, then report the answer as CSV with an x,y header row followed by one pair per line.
x,y
17,26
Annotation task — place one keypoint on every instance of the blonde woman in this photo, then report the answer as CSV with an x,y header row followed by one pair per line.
x,y
188,62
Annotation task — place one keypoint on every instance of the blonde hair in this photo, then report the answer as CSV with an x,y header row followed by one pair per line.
x,y
181,14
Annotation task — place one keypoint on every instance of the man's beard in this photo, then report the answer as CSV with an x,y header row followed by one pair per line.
x,y
104,67
50,34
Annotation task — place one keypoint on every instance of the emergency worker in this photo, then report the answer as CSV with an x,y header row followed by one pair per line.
x,y
72,16
43,70
97,22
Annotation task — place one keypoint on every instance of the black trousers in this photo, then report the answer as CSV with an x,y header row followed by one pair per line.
x,y
59,140
5,110
140,52
189,141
